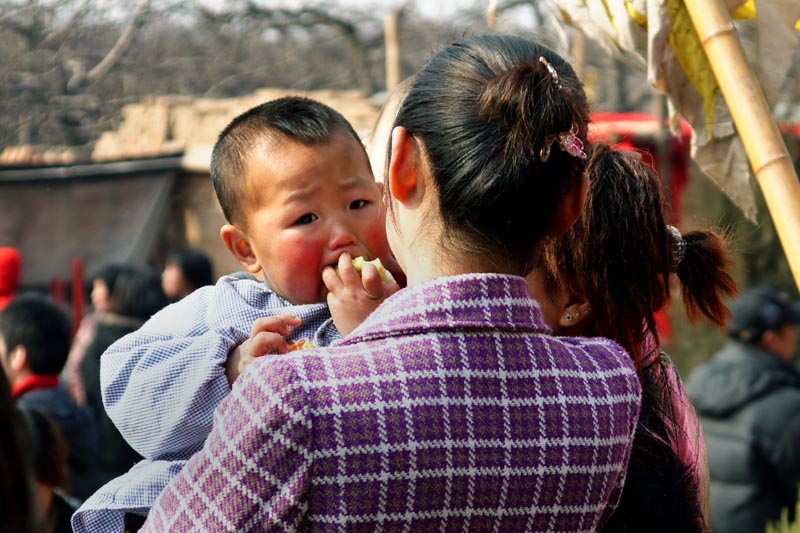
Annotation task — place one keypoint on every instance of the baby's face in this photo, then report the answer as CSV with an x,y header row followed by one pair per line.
x,y
306,206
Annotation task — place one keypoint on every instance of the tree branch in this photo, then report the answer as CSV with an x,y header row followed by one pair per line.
x,y
116,52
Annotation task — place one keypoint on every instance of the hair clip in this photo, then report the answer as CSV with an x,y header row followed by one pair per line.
x,y
679,246
552,71
568,141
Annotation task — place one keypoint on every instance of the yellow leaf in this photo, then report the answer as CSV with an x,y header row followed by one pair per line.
x,y
692,58
746,11
637,16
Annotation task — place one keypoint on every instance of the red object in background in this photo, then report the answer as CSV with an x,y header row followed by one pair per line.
x,y
78,294
58,288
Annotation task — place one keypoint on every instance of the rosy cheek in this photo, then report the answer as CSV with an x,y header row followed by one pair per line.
x,y
299,259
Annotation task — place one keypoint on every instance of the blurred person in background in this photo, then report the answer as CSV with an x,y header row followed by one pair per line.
x,y
137,295
10,270
103,284
186,270
16,490
748,399
34,342
48,455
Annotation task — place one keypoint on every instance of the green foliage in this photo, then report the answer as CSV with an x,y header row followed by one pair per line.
x,y
784,526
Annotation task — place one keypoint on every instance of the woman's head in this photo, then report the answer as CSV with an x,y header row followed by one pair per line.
x,y
620,254
492,121
130,290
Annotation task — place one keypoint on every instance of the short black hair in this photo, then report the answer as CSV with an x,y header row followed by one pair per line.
x,y
137,292
43,328
294,118
195,265
108,274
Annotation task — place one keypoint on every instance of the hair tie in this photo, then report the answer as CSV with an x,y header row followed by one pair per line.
x,y
679,246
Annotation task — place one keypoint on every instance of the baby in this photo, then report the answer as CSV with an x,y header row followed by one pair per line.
x,y
296,188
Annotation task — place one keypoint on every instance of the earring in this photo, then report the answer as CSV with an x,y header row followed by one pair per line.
x,y
568,317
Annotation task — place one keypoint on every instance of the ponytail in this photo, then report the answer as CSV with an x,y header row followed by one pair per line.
x,y
704,278
621,254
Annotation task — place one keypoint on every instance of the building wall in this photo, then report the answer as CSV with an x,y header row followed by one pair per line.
x,y
193,219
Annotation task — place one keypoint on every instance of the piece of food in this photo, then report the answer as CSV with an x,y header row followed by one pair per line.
x,y
359,262
300,344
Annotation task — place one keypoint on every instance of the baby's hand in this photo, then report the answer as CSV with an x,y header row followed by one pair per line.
x,y
267,336
352,297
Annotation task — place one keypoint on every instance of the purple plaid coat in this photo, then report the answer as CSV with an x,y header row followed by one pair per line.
x,y
450,408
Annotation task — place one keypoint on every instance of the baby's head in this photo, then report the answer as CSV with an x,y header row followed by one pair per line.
x,y
296,187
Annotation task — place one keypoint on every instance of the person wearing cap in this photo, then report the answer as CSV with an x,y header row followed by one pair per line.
x,y
748,401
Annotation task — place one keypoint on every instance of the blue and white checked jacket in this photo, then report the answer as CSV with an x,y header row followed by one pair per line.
x,y
162,383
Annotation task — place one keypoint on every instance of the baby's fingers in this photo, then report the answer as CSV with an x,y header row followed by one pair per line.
x,y
371,280
281,324
267,342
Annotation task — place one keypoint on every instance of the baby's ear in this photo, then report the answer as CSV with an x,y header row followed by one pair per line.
x,y
239,246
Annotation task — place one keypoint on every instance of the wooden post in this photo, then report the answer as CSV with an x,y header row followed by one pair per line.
x,y
392,39
491,14
579,54
765,148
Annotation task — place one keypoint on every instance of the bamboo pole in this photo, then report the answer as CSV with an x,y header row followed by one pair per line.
x,y
392,40
765,148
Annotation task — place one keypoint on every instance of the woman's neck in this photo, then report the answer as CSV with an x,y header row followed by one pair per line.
x,y
428,259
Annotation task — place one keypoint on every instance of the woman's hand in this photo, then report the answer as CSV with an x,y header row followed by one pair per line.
x,y
352,297
267,336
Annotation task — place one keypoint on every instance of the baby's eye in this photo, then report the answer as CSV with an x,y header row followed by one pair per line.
x,y
308,218
358,204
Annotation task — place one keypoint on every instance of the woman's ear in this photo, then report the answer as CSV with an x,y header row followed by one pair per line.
x,y
570,207
239,246
574,313
403,165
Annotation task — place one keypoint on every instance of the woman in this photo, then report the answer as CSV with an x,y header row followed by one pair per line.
x,y
136,295
450,406
608,276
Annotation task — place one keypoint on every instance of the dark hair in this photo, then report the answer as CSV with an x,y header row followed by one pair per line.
x,y
137,292
620,254
195,266
40,326
484,108
16,489
108,274
291,118
47,449
661,492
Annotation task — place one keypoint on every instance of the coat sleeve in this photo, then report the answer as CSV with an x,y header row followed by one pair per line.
x,y
779,435
161,383
253,471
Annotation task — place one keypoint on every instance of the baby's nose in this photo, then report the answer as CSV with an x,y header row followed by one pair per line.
x,y
342,236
